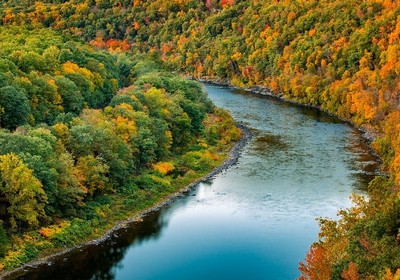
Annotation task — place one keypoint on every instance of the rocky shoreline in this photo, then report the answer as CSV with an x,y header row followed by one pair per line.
x,y
232,159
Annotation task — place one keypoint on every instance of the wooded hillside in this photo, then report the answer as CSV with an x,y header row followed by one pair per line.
x,y
90,137
342,56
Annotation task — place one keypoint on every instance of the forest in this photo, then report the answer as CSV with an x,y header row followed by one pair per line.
x,y
340,56
90,137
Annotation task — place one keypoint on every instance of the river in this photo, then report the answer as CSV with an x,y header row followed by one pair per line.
x,y
255,220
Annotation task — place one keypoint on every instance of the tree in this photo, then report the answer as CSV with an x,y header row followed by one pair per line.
x,y
93,175
4,240
22,195
72,99
35,148
14,107
69,194
102,142
316,264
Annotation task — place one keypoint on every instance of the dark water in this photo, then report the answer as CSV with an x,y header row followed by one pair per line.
x,y
254,221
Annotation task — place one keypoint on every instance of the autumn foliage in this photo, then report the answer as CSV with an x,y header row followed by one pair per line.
x,y
82,128
341,56
316,266
164,167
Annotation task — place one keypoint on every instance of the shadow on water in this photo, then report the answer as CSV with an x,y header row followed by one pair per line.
x,y
268,144
362,180
365,165
99,261
271,140
311,112
318,115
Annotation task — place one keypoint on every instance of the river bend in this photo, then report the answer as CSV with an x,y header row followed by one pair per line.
x,y
255,220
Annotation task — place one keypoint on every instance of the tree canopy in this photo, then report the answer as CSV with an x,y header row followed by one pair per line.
x,y
341,56
81,125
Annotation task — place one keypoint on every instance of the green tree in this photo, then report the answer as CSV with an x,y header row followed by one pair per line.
x,y
14,107
22,195
36,148
69,193
88,140
72,99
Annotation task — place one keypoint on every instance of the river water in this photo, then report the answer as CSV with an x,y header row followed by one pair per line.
x,y
255,220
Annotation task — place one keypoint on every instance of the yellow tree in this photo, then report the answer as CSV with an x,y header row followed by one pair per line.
x,y
22,195
93,175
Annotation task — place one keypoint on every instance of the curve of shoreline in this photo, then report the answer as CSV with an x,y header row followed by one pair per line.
x,y
232,159
367,134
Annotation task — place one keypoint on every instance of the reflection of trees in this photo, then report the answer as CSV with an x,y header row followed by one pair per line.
x,y
100,261
365,166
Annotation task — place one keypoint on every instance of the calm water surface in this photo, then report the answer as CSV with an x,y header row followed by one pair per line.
x,y
254,221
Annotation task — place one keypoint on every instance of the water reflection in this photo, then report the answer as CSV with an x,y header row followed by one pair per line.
x,y
100,261
269,143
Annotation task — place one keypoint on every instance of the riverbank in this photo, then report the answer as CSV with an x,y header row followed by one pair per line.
x,y
231,158
379,208
368,134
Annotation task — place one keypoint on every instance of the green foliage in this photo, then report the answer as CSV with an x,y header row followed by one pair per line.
x,y
17,258
14,108
4,240
22,195
43,75
152,181
80,151
344,62
76,231
94,174
72,99
38,154
199,160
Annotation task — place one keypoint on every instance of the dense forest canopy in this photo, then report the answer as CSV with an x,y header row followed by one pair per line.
x,y
83,130
342,56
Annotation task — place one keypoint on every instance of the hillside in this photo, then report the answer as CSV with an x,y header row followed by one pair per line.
x,y
341,56
90,138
